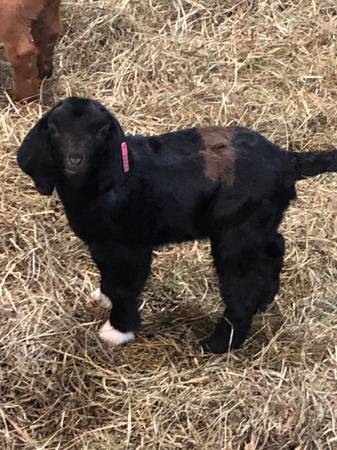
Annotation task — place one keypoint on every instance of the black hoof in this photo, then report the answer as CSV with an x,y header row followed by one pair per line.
x,y
212,346
225,338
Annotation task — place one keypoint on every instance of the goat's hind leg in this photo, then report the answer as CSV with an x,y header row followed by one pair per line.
x,y
22,53
249,280
271,262
46,30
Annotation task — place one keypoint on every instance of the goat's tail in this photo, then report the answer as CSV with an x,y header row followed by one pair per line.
x,y
309,164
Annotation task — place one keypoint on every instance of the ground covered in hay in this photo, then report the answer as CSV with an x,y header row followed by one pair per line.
x,y
163,65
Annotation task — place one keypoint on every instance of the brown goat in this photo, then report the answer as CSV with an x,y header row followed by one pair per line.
x,y
29,30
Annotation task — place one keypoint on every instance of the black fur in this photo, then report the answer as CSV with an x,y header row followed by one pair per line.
x,y
166,196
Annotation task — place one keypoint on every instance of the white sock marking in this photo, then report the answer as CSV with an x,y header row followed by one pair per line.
x,y
98,296
114,337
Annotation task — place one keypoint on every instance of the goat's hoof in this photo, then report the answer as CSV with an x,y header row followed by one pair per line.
x,y
101,298
210,345
24,99
220,342
114,337
45,70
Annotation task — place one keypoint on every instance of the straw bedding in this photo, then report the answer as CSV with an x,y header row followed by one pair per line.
x,y
159,66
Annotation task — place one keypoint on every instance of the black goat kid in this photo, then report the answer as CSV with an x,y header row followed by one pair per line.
x,y
125,195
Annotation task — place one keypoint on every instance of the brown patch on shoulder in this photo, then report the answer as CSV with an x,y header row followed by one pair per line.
x,y
218,153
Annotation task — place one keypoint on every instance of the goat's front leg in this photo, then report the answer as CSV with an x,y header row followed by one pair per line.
x,y
46,30
124,271
22,53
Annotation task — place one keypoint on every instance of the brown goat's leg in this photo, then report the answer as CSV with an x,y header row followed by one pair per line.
x,y
46,29
22,53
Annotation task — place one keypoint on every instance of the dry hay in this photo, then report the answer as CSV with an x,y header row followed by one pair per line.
x,y
162,65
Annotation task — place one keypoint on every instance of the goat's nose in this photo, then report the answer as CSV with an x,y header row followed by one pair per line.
x,y
75,160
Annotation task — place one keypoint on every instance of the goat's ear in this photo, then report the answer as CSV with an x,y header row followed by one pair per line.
x,y
118,135
35,159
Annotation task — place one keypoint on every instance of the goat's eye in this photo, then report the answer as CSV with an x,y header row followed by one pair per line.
x,y
53,129
104,131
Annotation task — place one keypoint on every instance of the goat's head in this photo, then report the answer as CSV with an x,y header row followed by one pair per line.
x,y
67,142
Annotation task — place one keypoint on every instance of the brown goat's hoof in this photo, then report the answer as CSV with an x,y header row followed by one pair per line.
x,y
45,70
24,100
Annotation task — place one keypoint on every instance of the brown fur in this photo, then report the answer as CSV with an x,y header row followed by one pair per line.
x,y
218,153
29,30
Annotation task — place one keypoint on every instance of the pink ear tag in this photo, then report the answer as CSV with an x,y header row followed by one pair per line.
x,y
125,157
